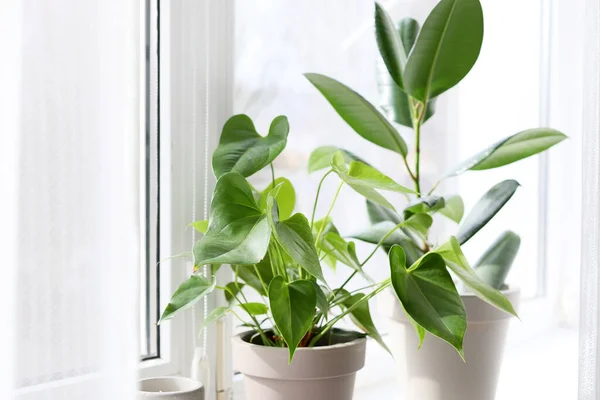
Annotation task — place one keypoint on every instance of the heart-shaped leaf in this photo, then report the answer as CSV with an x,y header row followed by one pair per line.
x,y
361,115
365,180
429,296
254,308
495,263
486,208
453,209
361,316
285,196
241,149
295,237
321,157
390,47
239,231
456,261
293,308
188,294
446,49
513,148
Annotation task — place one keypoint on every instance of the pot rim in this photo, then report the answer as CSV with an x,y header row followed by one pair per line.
x,y
197,385
238,338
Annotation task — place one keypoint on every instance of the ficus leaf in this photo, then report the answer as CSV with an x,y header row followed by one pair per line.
x,y
239,231
486,208
188,294
429,296
321,157
361,115
447,48
241,149
457,262
285,196
508,150
495,263
293,308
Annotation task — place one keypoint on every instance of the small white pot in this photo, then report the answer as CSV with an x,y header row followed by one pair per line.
x,y
436,371
318,373
170,388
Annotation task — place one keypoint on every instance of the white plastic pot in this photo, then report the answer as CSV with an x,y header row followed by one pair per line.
x,y
319,373
436,371
170,388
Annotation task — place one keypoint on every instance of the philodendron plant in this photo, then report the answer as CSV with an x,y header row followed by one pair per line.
x,y
423,64
277,253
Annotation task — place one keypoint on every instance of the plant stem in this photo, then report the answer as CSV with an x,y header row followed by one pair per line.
x,y
337,192
272,176
312,218
261,280
419,109
382,241
264,337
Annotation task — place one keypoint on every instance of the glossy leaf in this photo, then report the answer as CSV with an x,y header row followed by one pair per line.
x,y
424,205
447,48
365,180
200,226
513,148
188,294
241,149
295,237
456,261
486,208
428,295
239,232
453,209
495,263
420,223
361,316
376,232
293,308
254,308
361,115
390,47
321,157
251,277
285,196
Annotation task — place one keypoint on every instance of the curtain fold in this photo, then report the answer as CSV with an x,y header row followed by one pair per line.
x,y
589,352
74,127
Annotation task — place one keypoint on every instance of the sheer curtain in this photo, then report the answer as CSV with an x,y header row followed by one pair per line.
x,y
589,352
69,152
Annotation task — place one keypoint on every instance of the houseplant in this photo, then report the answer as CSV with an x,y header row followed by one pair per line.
x,y
423,64
293,348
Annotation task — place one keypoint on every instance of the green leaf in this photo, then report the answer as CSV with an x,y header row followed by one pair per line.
x,y
446,49
378,214
376,232
200,226
361,115
508,150
241,149
429,296
361,316
456,261
285,196
239,232
495,263
232,289
254,308
454,208
424,205
390,47
249,275
215,315
321,157
341,250
295,237
322,303
293,308
420,223
486,208
188,294
365,179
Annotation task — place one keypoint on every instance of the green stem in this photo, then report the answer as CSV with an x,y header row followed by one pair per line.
x,y
419,113
328,212
382,241
312,218
264,337
261,280
384,285
272,176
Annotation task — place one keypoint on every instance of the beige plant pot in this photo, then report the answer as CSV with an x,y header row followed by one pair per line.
x,y
436,371
170,388
319,373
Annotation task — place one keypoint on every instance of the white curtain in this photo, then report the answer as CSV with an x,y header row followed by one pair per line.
x,y
589,352
69,152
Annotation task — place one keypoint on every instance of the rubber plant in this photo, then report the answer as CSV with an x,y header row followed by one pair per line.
x,y
422,64
277,253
